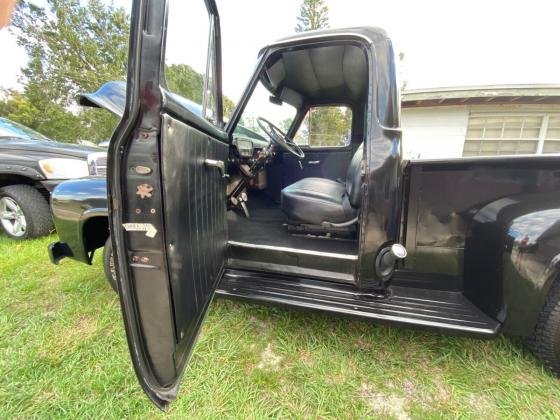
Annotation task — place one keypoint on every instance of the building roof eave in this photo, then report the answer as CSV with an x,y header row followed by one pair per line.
x,y
495,94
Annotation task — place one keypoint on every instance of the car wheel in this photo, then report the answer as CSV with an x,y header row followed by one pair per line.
x,y
24,212
109,264
545,342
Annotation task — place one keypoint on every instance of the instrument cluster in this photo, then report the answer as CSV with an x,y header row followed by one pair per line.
x,y
244,147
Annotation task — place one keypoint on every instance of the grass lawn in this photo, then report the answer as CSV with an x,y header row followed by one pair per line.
x,y
63,353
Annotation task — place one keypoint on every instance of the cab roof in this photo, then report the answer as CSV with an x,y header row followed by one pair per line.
x,y
370,34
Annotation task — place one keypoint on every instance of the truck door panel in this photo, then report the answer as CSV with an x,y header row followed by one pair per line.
x,y
167,209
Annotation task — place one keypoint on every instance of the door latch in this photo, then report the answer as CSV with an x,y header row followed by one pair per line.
x,y
219,164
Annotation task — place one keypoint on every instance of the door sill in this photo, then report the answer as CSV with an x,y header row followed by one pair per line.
x,y
445,311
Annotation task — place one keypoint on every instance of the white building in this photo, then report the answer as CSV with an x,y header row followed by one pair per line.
x,y
481,121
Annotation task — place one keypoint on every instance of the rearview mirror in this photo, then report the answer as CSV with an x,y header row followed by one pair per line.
x,y
275,100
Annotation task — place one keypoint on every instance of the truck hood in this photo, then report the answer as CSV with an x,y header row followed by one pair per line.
x,y
50,147
112,97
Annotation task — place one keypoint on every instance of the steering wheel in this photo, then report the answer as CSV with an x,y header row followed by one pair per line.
x,y
280,138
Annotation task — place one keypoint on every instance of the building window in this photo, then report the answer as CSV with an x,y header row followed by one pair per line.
x,y
552,139
502,135
490,135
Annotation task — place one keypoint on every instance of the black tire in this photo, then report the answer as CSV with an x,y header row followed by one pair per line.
x,y
35,208
545,342
109,265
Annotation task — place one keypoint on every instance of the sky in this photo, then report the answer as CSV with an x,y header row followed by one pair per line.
x,y
445,43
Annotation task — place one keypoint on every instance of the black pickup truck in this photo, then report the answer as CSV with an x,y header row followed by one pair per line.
x,y
31,165
199,207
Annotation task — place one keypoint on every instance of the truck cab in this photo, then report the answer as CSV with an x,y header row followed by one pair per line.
x,y
280,205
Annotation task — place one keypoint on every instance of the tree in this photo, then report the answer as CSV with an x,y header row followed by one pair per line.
x,y
57,124
329,125
73,47
185,81
228,105
313,14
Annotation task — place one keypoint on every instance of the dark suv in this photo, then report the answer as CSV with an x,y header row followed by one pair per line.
x,y
31,165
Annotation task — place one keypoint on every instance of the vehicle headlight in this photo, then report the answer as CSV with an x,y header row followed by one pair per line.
x,y
97,163
60,168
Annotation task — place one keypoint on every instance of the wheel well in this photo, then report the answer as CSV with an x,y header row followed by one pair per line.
x,y
9,179
95,232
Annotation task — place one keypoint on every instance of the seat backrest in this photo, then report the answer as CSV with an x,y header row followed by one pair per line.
x,y
354,178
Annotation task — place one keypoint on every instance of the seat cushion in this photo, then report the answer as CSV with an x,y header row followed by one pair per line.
x,y
317,200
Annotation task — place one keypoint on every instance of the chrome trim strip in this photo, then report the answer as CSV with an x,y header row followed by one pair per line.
x,y
295,250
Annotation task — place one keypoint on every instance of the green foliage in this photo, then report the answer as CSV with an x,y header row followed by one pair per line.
x,y
63,354
329,125
56,122
325,126
313,14
229,106
285,124
18,108
185,81
73,47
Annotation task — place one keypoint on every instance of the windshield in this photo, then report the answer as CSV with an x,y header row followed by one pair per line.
x,y
12,129
259,105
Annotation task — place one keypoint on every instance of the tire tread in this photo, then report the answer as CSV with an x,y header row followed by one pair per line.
x,y
545,341
35,207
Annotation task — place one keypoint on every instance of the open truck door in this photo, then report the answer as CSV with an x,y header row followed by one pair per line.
x,y
167,199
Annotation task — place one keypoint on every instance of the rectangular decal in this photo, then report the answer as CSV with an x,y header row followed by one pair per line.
x,y
150,230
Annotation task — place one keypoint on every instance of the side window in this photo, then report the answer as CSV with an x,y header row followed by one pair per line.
x,y
189,57
325,126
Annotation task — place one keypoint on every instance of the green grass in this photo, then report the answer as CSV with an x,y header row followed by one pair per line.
x,y
63,353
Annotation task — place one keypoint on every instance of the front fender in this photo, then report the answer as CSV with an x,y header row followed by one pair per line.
x,y
512,257
75,203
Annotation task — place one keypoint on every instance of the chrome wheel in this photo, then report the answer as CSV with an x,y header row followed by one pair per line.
x,y
12,217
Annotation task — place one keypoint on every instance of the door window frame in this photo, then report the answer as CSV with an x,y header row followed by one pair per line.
x,y
213,69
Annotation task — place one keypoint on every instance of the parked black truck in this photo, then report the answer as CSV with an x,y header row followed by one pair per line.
x,y
31,165
199,207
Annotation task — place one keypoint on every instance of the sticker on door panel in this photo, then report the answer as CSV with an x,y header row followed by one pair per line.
x,y
150,230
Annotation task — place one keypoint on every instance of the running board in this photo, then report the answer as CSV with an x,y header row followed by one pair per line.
x,y
445,311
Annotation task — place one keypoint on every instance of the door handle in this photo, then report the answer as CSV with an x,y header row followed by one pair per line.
x,y
219,164
313,162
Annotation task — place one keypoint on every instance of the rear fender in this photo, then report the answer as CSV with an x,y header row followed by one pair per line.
x,y
512,255
531,264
